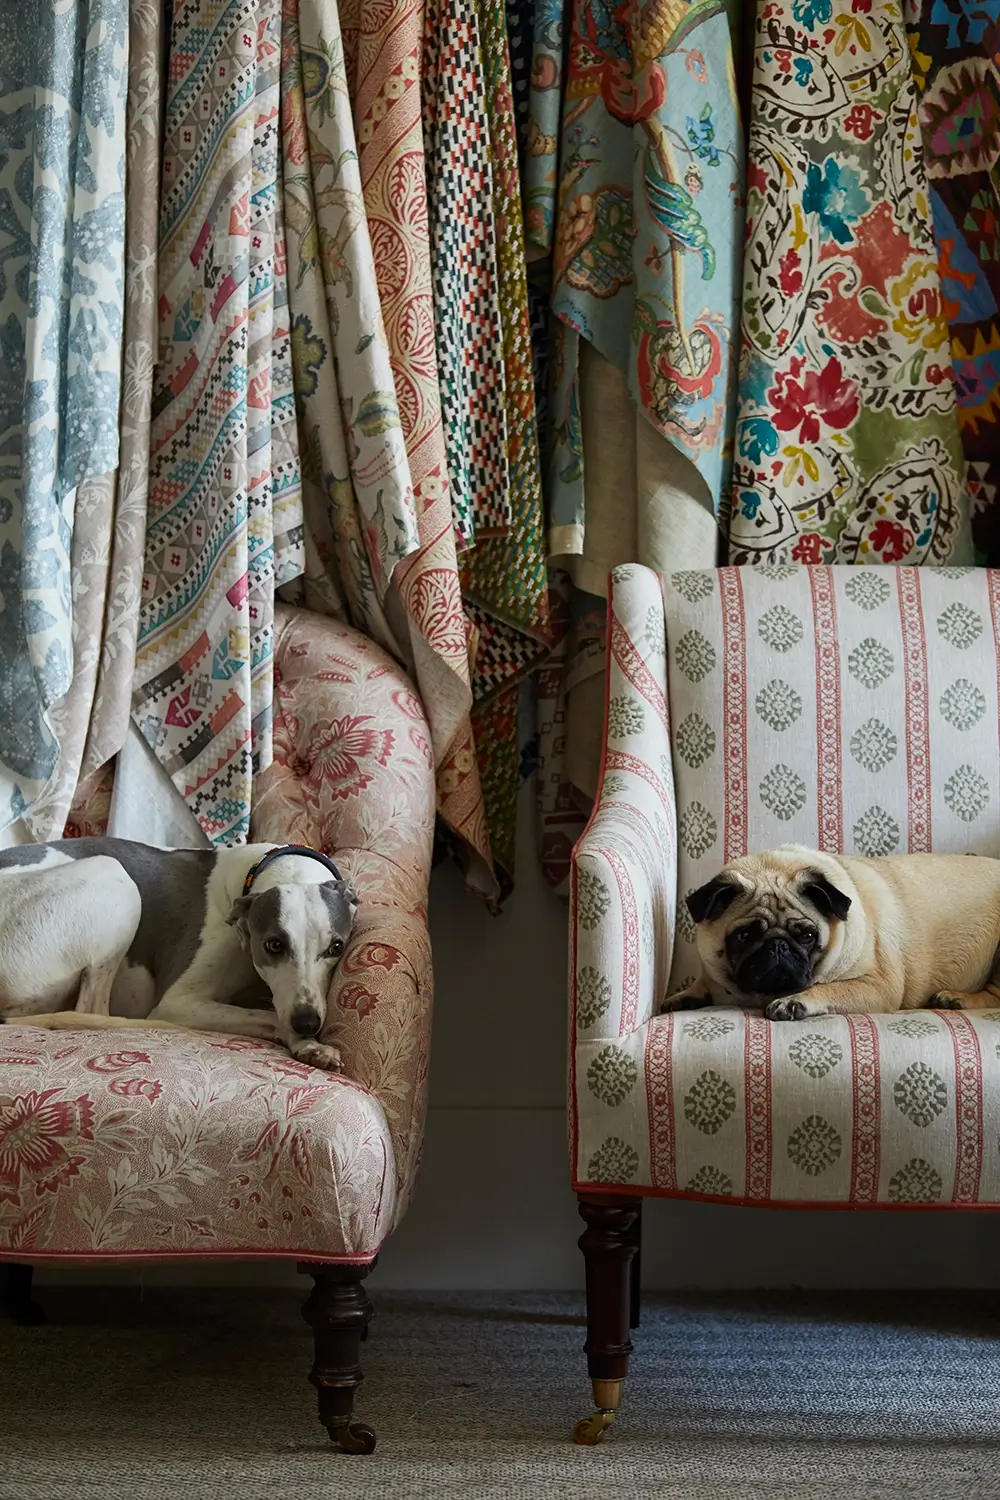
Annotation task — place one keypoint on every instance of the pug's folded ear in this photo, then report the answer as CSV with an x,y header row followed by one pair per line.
x,y
710,901
824,896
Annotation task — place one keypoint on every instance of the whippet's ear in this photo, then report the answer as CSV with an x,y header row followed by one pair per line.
x,y
238,911
350,895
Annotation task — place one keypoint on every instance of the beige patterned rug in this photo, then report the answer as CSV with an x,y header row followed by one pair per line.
x,y
201,1395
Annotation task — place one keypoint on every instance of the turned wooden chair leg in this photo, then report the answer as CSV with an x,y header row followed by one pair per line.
x,y
18,1302
337,1310
635,1286
609,1244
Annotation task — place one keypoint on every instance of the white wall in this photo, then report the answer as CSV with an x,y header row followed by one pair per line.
x,y
493,1207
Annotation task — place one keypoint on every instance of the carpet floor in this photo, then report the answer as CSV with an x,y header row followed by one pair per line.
x,y
201,1394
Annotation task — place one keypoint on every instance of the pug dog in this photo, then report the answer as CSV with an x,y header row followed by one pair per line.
x,y
800,934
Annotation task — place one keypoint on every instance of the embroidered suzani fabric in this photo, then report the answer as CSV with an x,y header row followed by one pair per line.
x,y
849,709
954,55
63,80
847,446
646,253
224,509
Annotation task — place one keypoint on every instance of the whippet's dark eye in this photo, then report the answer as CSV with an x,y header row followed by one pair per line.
x,y
335,949
274,946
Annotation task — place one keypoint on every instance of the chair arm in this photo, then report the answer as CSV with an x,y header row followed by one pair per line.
x,y
624,868
353,775
379,1015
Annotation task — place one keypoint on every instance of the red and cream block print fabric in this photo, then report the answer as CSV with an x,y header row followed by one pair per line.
x,y
143,1143
848,709
165,1145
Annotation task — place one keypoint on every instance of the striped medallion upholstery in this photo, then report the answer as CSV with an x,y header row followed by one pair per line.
x,y
851,709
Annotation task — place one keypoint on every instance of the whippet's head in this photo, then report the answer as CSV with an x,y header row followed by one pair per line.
x,y
295,935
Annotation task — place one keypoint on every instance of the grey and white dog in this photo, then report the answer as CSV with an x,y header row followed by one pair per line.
x,y
235,940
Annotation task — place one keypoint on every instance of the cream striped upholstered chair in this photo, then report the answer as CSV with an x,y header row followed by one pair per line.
x,y
852,709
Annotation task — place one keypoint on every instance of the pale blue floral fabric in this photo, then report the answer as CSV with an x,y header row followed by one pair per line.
x,y
63,78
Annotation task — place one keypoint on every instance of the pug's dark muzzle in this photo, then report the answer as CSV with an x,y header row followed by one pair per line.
x,y
778,966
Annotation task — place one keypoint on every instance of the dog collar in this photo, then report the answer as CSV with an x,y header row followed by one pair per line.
x,y
279,853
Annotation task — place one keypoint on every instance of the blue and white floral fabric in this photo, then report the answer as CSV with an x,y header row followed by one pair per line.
x,y
63,79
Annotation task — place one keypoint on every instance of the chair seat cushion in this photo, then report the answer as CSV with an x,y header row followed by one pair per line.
x,y
850,1111
173,1145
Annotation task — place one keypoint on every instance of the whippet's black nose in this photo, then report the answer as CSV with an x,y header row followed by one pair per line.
x,y
306,1021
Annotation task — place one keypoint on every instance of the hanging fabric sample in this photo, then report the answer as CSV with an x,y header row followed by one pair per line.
x,y
63,84
848,446
383,56
224,508
955,65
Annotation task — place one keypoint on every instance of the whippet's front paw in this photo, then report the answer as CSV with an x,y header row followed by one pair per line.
x,y
260,1024
317,1055
793,1008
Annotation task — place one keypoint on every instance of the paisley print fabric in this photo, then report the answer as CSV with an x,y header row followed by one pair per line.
x,y
847,444
63,81
954,51
383,51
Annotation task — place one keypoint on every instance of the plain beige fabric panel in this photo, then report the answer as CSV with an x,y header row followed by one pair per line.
x,y
645,502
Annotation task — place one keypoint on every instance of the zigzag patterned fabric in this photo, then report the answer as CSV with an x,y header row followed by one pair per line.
x,y
225,509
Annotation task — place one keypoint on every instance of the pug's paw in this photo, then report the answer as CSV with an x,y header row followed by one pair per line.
x,y
317,1055
792,1008
945,1000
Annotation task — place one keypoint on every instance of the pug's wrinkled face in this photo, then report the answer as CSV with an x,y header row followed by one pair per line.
x,y
767,928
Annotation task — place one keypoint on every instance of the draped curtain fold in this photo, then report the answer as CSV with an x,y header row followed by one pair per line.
x,y
424,316
64,80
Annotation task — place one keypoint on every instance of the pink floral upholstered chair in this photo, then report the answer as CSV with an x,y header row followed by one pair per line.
x,y
165,1146
852,709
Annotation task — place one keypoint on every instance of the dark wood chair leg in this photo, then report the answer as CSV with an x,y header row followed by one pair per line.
x,y
609,1245
635,1288
18,1302
337,1310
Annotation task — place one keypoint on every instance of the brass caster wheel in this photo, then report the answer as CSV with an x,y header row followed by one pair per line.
x,y
353,1437
591,1430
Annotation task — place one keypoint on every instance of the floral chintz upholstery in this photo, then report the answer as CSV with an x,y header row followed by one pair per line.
x,y
850,709
144,1143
